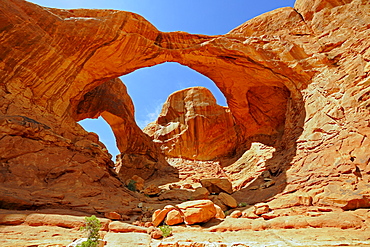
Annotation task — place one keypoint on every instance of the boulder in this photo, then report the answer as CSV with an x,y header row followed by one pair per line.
x,y
160,214
174,217
236,214
136,182
219,213
113,215
200,193
155,233
151,190
261,208
198,211
250,215
217,185
227,200
219,203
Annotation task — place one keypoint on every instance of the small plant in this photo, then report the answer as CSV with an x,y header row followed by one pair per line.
x,y
243,204
132,185
88,243
166,230
92,227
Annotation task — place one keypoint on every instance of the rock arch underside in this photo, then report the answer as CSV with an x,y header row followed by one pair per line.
x,y
295,132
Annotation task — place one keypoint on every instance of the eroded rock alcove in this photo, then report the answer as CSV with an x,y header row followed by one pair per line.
x,y
296,82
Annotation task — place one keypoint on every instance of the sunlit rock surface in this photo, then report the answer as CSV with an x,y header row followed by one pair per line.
x,y
192,126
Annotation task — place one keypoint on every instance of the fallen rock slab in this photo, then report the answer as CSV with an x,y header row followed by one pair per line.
x,y
217,185
228,200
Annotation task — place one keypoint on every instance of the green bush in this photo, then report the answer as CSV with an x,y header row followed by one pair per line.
x,y
88,243
132,185
166,230
92,227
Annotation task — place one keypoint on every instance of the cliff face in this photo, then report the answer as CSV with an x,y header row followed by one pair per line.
x,y
296,79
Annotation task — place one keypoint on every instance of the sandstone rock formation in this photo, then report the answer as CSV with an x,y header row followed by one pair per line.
x,y
191,212
111,101
296,80
43,169
192,126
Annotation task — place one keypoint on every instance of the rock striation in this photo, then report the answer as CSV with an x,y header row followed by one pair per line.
x,y
295,80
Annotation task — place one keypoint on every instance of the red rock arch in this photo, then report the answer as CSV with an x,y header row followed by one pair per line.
x,y
79,52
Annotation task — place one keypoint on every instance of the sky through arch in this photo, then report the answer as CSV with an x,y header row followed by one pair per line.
x,y
150,87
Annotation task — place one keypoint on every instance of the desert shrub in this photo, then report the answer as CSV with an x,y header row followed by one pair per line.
x,y
92,227
88,243
132,185
166,230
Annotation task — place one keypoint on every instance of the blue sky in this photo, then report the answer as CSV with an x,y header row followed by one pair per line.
x,y
150,87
